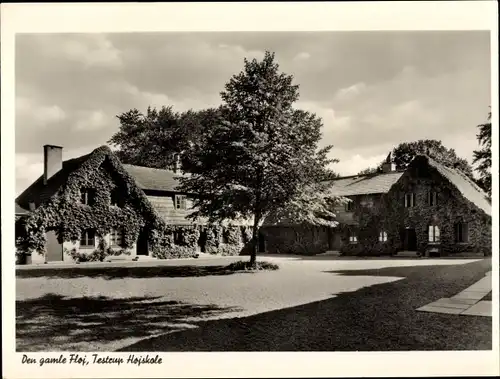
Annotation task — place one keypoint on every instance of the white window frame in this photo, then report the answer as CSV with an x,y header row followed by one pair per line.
x,y
85,194
432,198
180,202
382,236
116,237
85,239
434,234
353,237
410,199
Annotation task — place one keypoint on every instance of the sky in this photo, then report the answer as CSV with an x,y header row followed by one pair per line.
x,y
373,90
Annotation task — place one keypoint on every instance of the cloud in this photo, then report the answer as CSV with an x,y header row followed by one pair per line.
x,y
353,164
302,56
28,111
372,90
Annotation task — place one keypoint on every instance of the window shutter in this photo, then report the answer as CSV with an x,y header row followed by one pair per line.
x,y
437,234
465,232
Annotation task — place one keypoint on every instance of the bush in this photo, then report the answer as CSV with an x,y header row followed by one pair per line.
x,y
245,266
174,251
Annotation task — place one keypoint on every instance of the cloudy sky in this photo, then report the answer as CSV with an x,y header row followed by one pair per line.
x,y
373,90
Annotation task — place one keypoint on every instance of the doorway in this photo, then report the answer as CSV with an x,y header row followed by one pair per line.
x,y
409,239
142,243
53,247
262,243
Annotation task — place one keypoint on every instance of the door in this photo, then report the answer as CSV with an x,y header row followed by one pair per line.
x,y
262,243
142,243
410,240
334,240
202,240
53,248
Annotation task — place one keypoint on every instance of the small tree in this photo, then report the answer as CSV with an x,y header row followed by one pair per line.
x,y
482,157
262,157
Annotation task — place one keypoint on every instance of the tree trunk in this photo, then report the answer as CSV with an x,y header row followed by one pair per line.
x,y
255,242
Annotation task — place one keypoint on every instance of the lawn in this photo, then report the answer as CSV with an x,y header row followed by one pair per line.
x,y
307,305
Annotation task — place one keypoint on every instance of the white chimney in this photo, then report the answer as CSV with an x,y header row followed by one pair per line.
x,y
388,165
52,161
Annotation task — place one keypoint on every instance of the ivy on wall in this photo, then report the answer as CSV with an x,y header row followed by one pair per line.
x,y
69,218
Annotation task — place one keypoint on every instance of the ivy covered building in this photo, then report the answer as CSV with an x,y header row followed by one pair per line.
x,y
95,208
429,208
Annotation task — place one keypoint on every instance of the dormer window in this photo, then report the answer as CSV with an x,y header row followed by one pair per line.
x,y
87,196
180,202
349,206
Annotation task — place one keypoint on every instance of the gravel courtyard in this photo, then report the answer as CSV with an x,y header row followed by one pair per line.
x,y
138,306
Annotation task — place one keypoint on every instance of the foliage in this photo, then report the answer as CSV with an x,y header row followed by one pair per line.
x,y
482,157
69,218
262,156
156,138
404,153
246,266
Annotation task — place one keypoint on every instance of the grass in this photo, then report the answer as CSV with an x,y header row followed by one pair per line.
x,y
246,266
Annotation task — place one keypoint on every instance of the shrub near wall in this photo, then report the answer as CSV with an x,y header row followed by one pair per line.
x,y
187,245
296,239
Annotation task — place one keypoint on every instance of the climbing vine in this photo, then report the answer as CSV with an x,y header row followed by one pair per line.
x,y
101,172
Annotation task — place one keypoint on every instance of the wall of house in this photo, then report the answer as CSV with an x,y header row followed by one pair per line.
x,y
393,217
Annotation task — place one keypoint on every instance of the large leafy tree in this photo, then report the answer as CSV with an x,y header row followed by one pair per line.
x,y
482,157
262,158
404,153
158,138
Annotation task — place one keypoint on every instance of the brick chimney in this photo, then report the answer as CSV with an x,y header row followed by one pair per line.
x,y
52,161
177,164
388,165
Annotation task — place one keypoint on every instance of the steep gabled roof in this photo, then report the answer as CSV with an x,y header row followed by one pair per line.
x,y
40,193
469,190
19,211
364,184
153,178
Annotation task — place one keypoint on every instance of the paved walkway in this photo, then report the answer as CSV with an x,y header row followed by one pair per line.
x,y
468,302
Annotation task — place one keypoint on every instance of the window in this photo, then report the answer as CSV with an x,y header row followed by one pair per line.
x,y
116,199
180,202
461,232
116,237
410,200
178,237
87,196
88,239
353,238
349,206
382,237
432,198
434,234
225,236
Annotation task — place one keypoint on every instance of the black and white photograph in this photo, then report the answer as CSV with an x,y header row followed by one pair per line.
x,y
247,191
